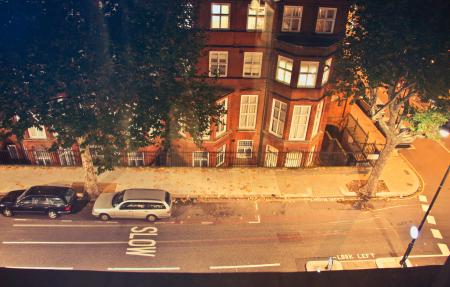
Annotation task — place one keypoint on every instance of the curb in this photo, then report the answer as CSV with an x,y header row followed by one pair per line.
x,y
421,187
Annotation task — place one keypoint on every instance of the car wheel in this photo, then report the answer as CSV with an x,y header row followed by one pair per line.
x,y
52,214
7,212
105,217
151,218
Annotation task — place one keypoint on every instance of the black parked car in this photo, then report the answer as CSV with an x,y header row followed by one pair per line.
x,y
50,200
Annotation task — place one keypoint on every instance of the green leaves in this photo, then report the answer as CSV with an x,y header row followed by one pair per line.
x,y
428,123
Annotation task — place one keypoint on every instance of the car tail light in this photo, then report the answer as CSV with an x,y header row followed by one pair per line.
x,y
67,208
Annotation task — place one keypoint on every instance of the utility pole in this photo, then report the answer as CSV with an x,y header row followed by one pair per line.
x,y
411,244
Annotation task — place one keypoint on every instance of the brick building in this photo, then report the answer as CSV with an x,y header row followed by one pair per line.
x,y
275,58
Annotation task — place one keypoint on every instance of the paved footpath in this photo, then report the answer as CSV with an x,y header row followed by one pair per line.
x,y
322,183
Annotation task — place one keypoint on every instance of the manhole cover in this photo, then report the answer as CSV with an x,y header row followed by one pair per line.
x,y
289,236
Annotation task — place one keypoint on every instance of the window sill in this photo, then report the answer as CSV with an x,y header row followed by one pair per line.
x,y
246,130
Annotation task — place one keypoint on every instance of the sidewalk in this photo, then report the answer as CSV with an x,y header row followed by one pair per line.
x,y
322,183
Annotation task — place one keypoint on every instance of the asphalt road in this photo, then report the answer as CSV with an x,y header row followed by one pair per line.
x,y
233,236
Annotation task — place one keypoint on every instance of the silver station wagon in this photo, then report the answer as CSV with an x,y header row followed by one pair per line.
x,y
149,204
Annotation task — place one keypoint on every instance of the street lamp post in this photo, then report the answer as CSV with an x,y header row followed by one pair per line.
x,y
411,244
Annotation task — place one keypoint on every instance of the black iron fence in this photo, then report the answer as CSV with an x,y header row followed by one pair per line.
x,y
291,159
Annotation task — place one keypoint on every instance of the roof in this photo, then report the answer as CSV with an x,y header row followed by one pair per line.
x,y
142,193
46,189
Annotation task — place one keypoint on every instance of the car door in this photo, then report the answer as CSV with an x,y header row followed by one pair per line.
x,y
25,205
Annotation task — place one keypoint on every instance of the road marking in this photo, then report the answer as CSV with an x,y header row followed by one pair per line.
x,y
66,220
431,220
444,249
258,221
424,207
143,268
436,233
256,205
443,146
20,219
422,198
63,242
71,225
207,222
244,266
396,206
46,267
164,222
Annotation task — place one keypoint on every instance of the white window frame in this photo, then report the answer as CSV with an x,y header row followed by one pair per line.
x,y
221,126
321,21
277,120
221,16
296,124
13,152
247,119
220,155
242,149
291,18
36,133
271,157
317,119
252,65
307,78
293,159
326,71
66,157
218,56
135,158
256,18
284,73
311,156
200,159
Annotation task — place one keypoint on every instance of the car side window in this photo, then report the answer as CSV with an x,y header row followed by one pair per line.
x,y
25,201
56,201
155,206
133,205
40,200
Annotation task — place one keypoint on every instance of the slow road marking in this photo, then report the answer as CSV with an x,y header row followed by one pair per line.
x,y
142,241
244,266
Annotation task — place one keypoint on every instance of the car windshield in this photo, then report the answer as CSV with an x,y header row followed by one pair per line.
x,y
118,198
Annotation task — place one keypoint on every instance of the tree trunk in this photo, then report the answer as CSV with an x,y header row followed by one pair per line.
x,y
90,178
370,188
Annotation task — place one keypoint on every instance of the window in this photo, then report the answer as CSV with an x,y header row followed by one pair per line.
x,y
325,20
284,70
37,133
293,159
42,157
311,156
317,119
155,206
220,156
56,201
135,158
220,16
256,18
326,71
299,124
292,18
278,117
218,63
308,74
133,205
252,65
247,117
222,123
245,149
200,159
66,156
12,150
271,156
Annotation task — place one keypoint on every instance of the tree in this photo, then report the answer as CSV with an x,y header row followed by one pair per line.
x,y
399,49
113,74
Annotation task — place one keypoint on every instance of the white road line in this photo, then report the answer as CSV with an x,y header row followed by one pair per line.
x,y
143,268
67,220
258,221
444,249
436,233
165,222
46,267
423,198
207,222
20,219
431,220
62,242
396,206
443,146
71,225
244,266
425,207
256,205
